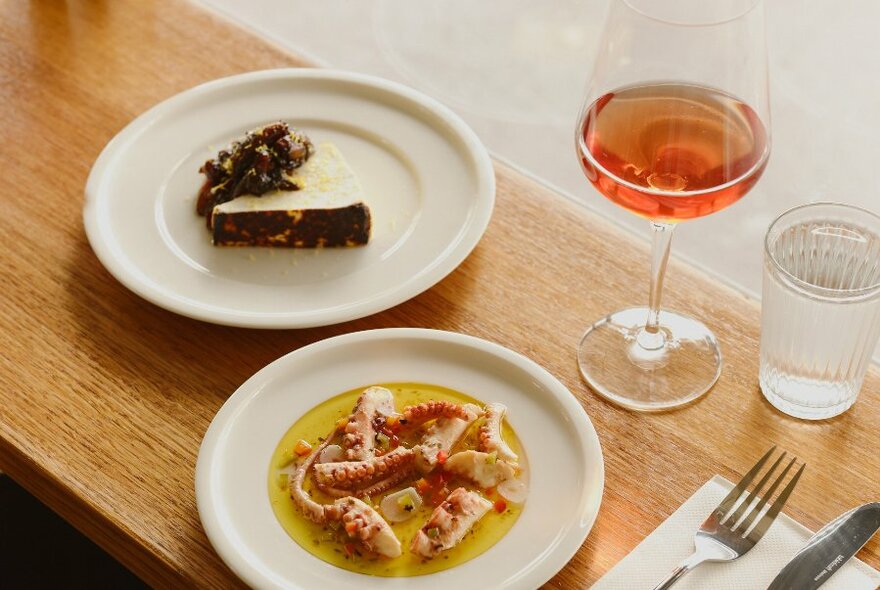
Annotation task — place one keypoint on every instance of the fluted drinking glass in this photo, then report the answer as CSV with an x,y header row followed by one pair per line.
x,y
820,308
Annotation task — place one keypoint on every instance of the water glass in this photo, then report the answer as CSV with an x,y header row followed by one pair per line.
x,y
821,308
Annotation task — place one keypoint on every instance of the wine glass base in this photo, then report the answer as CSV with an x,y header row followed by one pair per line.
x,y
621,362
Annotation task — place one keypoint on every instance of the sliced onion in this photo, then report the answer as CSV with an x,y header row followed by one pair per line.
x,y
392,506
289,469
330,454
514,490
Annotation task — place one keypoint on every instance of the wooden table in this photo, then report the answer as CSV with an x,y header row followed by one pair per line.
x,y
105,397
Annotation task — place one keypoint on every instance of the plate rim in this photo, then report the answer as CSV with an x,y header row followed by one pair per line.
x,y
450,257
247,391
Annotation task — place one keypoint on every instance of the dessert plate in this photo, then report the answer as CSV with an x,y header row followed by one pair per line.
x,y
428,181
565,459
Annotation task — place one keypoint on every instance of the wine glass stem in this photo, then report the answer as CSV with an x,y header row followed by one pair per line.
x,y
652,337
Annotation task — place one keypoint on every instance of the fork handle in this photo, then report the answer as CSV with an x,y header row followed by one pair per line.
x,y
696,558
677,574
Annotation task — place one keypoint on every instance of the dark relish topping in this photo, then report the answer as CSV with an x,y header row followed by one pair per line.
x,y
254,166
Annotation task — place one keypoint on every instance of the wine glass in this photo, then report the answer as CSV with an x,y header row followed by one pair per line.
x,y
675,125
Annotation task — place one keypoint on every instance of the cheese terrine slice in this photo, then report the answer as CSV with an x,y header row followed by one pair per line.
x,y
327,211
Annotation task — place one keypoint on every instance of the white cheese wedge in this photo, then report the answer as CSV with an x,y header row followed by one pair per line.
x,y
328,210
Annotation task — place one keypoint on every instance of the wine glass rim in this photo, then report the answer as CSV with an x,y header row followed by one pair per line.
x,y
806,287
714,23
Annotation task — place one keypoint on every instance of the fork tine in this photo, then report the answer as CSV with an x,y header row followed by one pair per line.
x,y
728,502
771,514
748,520
755,491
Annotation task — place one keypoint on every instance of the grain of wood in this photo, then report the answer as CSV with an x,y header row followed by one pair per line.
x,y
105,397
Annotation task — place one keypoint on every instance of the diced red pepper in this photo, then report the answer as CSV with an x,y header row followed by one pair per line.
x,y
422,485
395,441
351,527
500,506
302,448
442,456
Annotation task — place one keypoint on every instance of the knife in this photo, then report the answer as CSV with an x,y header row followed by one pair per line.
x,y
829,549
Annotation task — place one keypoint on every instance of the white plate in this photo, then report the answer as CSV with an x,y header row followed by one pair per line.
x,y
429,183
567,471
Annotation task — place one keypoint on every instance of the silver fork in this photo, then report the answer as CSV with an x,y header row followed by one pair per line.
x,y
722,537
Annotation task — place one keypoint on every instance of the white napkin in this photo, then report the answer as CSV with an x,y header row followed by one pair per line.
x,y
655,557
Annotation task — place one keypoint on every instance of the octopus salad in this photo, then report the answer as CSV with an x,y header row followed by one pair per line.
x,y
412,479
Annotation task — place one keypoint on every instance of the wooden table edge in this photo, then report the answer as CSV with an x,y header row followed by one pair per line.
x,y
96,525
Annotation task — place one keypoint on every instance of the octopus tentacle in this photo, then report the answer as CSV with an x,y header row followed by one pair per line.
x,y
314,511
373,405
450,521
429,410
442,436
480,468
363,523
353,474
371,490
489,436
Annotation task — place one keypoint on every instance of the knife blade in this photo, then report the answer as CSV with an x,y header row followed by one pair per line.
x,y
827,550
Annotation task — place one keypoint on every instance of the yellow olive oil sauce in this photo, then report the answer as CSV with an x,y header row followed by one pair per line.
x,y
328,541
